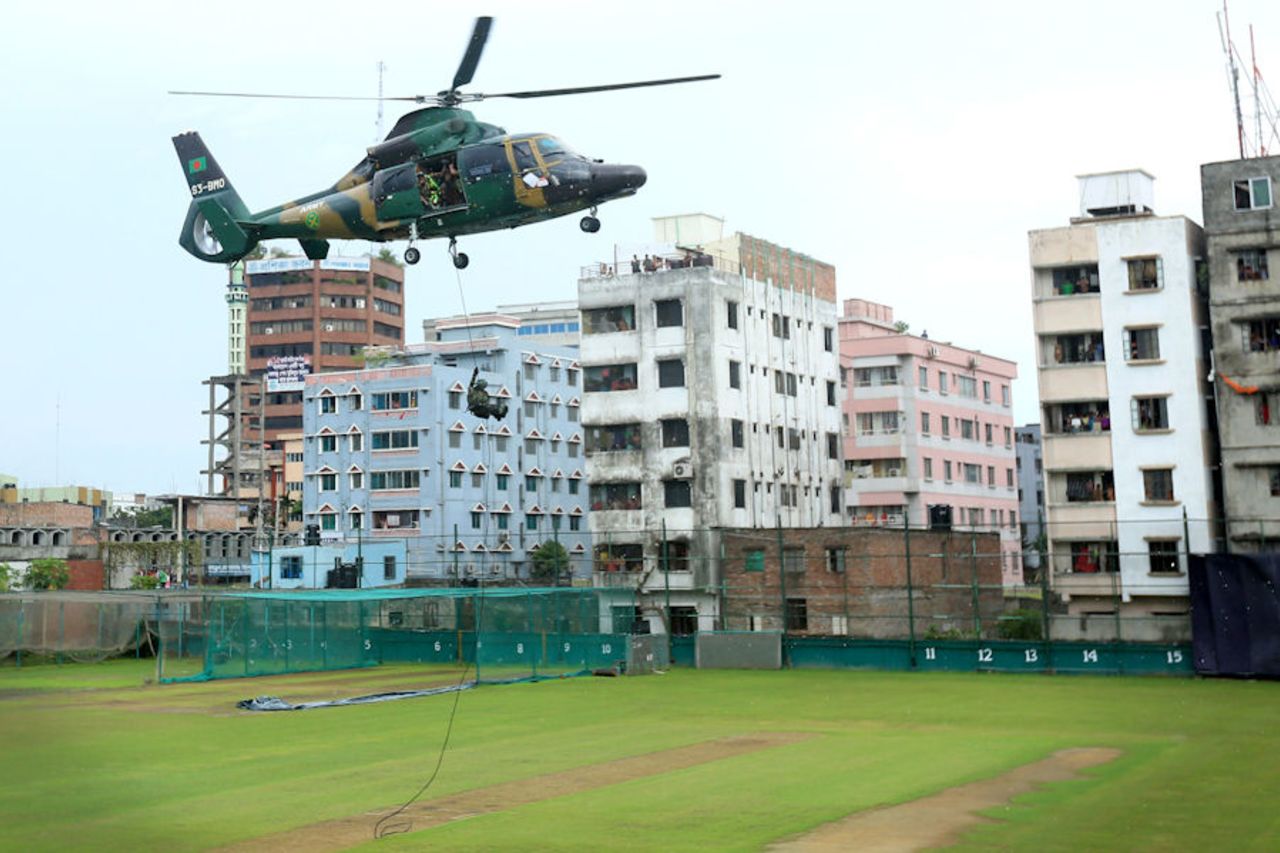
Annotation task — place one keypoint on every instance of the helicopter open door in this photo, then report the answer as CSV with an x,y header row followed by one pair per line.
x,y
529,171
396,195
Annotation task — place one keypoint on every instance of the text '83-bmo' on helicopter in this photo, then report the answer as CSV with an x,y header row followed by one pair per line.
x,y
438,173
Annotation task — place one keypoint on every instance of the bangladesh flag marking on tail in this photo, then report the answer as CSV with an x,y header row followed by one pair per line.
x,y
197,165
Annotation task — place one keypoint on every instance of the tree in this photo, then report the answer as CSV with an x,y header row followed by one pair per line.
x,y
135,517
385,254
48,574
6,574
901,328
550,561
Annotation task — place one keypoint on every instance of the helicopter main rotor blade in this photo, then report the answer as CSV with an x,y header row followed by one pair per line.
x,y
582,90
467,68
415,98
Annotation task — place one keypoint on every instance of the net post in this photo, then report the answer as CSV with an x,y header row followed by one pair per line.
x,y
782,585
973,583
911,612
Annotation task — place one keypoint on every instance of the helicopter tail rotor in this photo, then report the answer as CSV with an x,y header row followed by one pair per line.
x,y
212,230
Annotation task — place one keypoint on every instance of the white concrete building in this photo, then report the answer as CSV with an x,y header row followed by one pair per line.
x,y
1128,448
710,400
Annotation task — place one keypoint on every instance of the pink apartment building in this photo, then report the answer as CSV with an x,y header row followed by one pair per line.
x,y
928,432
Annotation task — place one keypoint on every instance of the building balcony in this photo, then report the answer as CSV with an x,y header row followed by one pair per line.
x,y
1105,584
898,484
1065,315
1064,383
1081,451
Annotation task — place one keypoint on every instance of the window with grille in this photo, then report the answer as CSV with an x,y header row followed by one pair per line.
x,y
669,312
1157,484
1142,344
1163,556
1146,273
671,373
1251,265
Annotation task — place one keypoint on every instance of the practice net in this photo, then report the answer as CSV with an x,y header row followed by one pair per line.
x,y
503,634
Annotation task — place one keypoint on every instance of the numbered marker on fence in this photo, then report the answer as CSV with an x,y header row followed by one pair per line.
x,y
606,649
1090,655
1174,656
1031,655
984,655
930,653
519,648
437,645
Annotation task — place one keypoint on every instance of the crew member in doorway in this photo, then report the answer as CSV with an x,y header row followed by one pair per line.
x,y
479,403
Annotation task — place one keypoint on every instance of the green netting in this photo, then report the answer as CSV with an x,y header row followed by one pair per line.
x,y
79,626
502,634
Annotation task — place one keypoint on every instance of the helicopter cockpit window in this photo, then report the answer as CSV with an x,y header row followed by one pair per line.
x,y
550,148
524,155
480,161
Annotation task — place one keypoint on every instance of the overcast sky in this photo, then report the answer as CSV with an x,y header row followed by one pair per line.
x,y
911,144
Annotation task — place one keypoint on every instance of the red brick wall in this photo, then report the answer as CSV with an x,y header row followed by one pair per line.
x,y
871,592
39,514
86,574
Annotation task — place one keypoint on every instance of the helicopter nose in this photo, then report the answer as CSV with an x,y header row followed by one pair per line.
x,y
608,179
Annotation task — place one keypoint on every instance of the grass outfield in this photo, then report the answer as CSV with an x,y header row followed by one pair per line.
x,y
93,758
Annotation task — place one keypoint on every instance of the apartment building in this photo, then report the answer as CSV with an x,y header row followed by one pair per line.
x,y
1125,409
313,316
710,400
1242,231
392,453
928,431
541,323
1027,446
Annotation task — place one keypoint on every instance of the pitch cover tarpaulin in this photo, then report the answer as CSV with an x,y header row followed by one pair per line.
x,y
1235,614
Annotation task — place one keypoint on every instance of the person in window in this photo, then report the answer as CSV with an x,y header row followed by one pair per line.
x,y
429,189
450,184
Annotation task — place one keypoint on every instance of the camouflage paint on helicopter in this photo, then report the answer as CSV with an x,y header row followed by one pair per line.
x,y
439,173
503,181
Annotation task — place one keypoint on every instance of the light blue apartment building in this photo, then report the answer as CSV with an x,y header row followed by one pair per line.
x,y
392,454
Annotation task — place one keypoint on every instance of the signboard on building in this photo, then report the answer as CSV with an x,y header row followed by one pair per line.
x,y
287,373
290,264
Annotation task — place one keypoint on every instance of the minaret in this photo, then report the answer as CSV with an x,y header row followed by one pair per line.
x,y
237,302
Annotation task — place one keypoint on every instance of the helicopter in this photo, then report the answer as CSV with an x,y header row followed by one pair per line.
x,y
438,173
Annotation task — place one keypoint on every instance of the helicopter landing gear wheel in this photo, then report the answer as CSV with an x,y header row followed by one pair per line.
x,y
589,224
412,256
460,259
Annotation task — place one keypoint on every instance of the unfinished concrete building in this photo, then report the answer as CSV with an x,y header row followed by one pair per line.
x,y
1242,230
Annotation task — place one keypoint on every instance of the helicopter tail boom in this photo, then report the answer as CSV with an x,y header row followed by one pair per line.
x,y
216,228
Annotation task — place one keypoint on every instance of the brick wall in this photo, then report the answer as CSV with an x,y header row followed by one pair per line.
x,y
86,574
868,595
41,514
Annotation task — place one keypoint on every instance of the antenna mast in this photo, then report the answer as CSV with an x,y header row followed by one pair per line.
x,y
1224,33
380,69
1257,95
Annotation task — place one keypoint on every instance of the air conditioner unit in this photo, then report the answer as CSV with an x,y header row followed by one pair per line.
x,y
932,352
682,470
894,472
268,331
504,536
328,327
